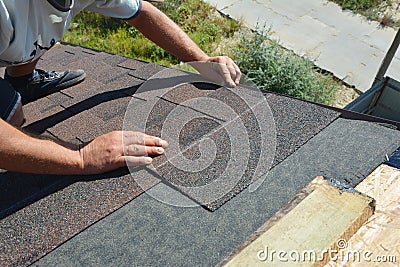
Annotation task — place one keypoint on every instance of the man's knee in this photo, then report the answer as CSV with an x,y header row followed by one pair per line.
x,y
17,119
10,104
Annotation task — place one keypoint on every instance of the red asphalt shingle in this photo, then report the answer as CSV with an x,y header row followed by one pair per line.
x,y
45,216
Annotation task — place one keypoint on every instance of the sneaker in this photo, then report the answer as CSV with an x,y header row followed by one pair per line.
x,y
42,83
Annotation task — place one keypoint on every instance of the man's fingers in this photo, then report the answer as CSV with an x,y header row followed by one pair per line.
x,y
143,139
238,73
140,150
228,70
154,141
137,161
234,70
225,72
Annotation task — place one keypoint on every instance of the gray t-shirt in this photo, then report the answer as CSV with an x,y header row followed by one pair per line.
x,y
28,28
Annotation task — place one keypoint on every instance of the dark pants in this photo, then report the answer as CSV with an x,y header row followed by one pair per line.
x,y
9,100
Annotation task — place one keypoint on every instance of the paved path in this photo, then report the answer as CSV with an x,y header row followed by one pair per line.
x,y
338,41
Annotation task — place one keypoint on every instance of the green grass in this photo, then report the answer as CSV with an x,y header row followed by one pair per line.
x,y
371,9
268,65
274,68
196,18
359,5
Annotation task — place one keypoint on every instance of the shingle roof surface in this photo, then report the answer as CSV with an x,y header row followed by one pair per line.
x,y
147,232
39,212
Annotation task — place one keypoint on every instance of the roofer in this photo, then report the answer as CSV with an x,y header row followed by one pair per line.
x,y
28,30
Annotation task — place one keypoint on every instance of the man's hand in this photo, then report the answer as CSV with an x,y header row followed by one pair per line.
x,y
228,69
156,26
221,70
117,149
24,153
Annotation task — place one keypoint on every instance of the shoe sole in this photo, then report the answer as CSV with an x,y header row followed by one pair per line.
x,y
71,82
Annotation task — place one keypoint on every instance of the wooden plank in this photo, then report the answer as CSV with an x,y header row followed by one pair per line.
x,y
312,223
377,241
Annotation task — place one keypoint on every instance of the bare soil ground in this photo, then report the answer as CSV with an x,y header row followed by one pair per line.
x,y
390,15
344,96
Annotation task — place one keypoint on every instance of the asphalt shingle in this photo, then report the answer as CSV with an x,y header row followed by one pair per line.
x,y
208,142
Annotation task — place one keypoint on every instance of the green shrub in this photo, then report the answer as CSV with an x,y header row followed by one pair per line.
x,y
358,5
198,19
273,68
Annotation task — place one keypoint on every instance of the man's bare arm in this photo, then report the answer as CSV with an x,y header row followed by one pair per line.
x,y
23,153
157,27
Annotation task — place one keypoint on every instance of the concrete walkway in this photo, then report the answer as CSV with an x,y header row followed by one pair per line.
x,y
345,44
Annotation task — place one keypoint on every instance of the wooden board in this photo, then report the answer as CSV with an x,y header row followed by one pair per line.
x,y
313,222
379,238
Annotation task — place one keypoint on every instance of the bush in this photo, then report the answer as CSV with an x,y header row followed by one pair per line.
x,y
273,68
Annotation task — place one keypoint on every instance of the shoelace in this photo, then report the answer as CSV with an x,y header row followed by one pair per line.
x,y
42,75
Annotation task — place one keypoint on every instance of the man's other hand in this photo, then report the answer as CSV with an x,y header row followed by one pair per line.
x,y
221,69
120,148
